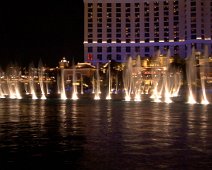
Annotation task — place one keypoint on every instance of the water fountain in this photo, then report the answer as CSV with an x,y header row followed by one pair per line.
x,y
194,86
191,74
13,83
81,84
74,85
97,88
40,77
167,80
31,82
62,91
203,74
109,82
156,80
137,79
128,79
58,83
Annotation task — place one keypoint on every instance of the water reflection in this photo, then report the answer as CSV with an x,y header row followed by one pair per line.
x,y
90,134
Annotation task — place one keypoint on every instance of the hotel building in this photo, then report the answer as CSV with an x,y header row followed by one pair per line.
x,y
116,29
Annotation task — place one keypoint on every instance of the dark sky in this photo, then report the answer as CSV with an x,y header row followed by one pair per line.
x,y
47,30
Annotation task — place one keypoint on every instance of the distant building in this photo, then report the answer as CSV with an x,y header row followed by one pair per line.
x,y
115,29
64,63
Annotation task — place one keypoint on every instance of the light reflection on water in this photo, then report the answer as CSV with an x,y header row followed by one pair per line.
x,y
87,134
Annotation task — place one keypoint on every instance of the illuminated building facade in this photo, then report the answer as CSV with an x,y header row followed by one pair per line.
x,y
116,29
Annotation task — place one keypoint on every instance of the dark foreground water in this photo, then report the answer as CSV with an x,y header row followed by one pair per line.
x,y
104,135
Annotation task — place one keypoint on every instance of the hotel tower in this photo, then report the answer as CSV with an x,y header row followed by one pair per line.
x,y
116,29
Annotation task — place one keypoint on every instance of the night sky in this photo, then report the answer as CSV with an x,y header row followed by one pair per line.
x,y
31,31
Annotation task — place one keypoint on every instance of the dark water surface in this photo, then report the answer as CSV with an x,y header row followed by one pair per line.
x,y
104,135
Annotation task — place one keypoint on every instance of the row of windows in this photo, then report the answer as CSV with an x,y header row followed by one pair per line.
x,y
109,57
137,34
119,57
128,49
146,24
137,15
145,4
156,29
109,5
147,40
137,20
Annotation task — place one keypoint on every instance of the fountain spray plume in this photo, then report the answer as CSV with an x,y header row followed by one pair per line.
x,y
93,84
40,77
137,79
62,91
191,77
32,74
2,94
74,83
58,83
81,84
13,74
203,73
128,79
167,79
156,81
109,82
97,89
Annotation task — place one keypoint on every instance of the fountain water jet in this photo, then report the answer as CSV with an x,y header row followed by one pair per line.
x,y
31,82
109,83
203,73
81,84
191,74
62,91
167,80
127,79
40,77
97,89
58,83
74,85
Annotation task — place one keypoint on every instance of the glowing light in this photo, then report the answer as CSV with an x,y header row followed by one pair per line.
x,y
43,97
62,91
127,98
167,98
96,97
108,97
205,102
191,99
137,97
74,96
